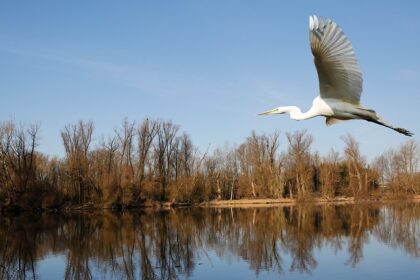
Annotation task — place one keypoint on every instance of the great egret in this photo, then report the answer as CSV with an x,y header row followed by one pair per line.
x,y
340,79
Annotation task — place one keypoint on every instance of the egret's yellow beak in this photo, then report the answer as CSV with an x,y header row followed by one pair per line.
x,y
269,112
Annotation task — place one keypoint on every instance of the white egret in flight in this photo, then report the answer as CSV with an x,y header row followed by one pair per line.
x,y
340,79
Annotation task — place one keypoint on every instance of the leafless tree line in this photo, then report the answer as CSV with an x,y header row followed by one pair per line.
x,y
399,168
154,161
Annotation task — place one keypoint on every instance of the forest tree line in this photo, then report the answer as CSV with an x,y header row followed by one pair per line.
x,y
154,160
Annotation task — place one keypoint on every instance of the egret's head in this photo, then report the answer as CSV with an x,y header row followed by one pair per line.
x,y
294,111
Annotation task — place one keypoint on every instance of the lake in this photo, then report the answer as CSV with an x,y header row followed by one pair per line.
x,y
353,241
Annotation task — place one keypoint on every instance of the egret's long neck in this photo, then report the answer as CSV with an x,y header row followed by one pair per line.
x,y
295,113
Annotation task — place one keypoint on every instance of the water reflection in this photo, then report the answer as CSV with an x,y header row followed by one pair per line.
x,y
172,244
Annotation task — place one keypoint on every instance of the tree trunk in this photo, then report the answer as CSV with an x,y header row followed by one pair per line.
x,y
253,189
231,189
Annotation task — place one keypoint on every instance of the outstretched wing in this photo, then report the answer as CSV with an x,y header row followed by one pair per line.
x,y
338,72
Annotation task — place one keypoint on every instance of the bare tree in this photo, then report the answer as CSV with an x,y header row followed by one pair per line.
x,y
77,139
399,169
329,173
146,134
164,150
125,136
299,157
356,166
383,164
104,167
18,170
257,161
186,154
232,169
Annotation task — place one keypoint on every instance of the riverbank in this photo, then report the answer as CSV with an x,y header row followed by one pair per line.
x,y
242,203
234,203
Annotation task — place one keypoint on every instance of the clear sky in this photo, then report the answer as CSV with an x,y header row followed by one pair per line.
x,y
209,66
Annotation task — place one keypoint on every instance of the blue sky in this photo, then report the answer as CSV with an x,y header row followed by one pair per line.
x,y
209,66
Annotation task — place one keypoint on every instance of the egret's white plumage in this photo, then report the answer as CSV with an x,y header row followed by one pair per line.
x,y
340,79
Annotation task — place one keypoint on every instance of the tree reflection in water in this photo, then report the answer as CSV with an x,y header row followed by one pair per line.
x,y
170,244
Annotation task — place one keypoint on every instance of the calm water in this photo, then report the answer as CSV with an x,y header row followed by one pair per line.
x,y
301,242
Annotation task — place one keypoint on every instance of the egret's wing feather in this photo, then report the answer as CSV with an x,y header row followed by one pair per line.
x,y
338,71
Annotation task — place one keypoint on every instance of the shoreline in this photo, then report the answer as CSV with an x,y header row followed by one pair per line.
x,y
235,203
246,203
